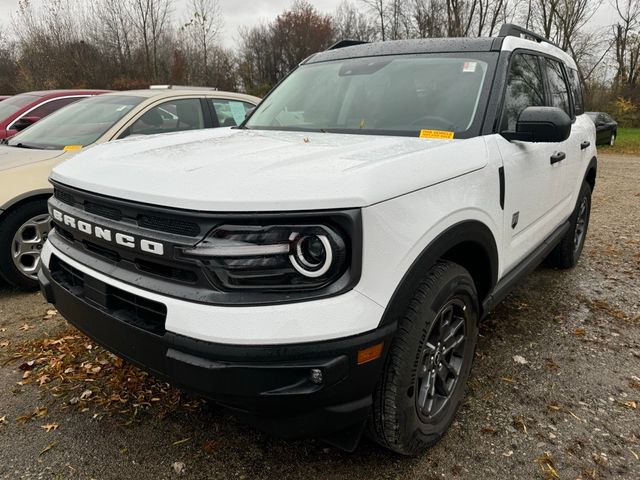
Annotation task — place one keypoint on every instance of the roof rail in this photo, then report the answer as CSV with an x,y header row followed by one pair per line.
x,y
512,30
179,87
345,43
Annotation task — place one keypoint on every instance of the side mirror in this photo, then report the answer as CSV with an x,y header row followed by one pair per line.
x,y
24,122
541,125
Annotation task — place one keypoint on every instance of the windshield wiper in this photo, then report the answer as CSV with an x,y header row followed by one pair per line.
x,y
21,145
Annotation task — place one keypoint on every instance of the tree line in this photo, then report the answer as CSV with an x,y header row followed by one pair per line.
x,y
124,44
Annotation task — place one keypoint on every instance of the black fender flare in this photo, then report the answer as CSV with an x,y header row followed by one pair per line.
x,y
592,167
469,231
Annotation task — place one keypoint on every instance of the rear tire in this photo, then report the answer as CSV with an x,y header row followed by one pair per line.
x,y
426,370
567,252
23,232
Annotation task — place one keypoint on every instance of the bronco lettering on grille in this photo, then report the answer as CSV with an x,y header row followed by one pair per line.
x,y
107,234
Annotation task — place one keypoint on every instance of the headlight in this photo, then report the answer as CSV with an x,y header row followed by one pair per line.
x,y
296,257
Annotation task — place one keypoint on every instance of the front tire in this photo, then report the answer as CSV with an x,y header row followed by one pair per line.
x,y
567,253
23,232
425,374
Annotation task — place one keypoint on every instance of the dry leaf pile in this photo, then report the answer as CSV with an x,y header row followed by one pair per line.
x,y
85,376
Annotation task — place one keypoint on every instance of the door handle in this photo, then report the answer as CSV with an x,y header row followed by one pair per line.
x,y
584,145
558,157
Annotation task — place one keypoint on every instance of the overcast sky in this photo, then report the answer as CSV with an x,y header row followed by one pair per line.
x,y
251,12
236,13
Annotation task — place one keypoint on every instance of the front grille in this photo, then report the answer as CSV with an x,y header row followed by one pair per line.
x,y
169,225
103,211
139,216
133,309
64,196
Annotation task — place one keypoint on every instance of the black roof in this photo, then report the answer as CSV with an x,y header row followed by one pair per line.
x,y
399,47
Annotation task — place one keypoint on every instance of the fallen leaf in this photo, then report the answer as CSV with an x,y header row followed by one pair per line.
x,y
27,365
554,408
178,467
47,448
630,404
25,327
210,446
180,442
86,394
4,344
520,359
546,464
580,331
3,420
49,426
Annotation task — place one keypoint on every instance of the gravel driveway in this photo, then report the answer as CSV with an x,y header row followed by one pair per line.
x,y
554,392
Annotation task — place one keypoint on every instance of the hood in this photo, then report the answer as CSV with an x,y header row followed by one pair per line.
x,y
258,170
11,157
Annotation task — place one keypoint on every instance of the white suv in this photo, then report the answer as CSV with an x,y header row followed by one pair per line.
x,y
323,267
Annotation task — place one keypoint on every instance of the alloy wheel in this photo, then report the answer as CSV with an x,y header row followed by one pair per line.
x,y
27,244
442,360
581,224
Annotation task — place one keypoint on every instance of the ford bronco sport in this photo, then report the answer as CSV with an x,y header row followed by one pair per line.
x,y
322,269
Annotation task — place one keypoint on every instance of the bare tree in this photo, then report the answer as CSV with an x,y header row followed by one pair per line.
x,y
349,22
626,41
202,29
150,19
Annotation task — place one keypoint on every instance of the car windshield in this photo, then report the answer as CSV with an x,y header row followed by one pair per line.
x,y
79,124
11,105
386,95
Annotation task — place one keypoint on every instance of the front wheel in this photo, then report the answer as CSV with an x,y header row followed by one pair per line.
x,y
425,374
23,232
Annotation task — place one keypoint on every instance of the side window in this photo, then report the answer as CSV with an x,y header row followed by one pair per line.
x,y
172,116
576,91
525,88
558,91
50,107
230,113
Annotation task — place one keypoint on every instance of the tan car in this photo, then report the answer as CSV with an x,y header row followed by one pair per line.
x,y
27,158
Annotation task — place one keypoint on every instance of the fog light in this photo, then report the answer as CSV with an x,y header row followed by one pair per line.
x,y
316,376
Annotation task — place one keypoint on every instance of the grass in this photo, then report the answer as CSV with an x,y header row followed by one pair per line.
x,y
627,142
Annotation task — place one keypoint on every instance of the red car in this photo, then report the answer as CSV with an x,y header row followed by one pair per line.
x,y
20,111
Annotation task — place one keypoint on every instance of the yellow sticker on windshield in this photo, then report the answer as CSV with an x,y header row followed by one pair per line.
x,y
440,134
72,147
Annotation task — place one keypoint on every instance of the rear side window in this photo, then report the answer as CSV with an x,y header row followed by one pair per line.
x,y
525,88
173,116
558,91
50,107
576,91
230,113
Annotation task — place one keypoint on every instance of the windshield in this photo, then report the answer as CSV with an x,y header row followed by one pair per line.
x,y
11,105
392,95
79,124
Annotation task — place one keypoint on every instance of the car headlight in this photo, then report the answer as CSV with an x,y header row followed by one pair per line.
x,y
280,257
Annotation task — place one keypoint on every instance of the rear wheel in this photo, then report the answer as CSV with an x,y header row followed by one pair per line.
x,y
567,252
424,379
23,232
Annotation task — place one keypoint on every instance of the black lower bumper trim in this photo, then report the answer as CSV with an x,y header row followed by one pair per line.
x,y
269,385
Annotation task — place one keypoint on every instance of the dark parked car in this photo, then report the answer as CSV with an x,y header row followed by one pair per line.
x,y
20,111
606,128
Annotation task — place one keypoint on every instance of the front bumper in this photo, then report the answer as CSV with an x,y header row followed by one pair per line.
x,y
269,385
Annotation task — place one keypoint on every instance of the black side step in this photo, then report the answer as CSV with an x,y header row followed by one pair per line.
x,y
529,264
